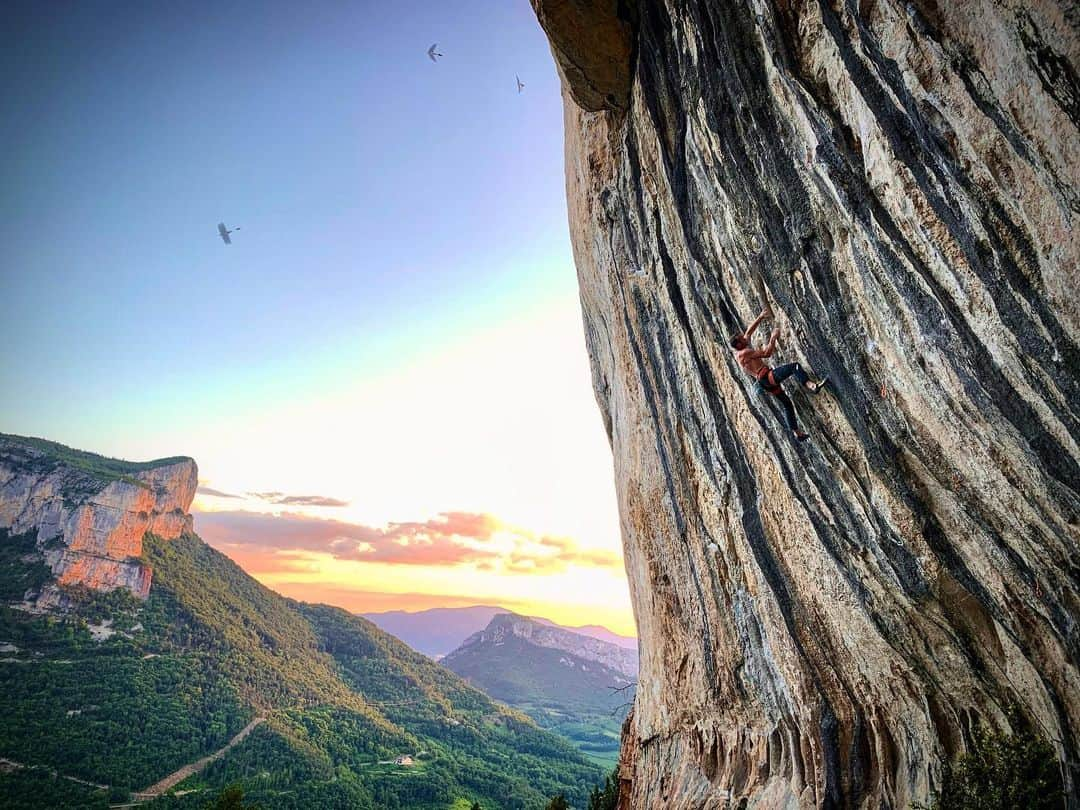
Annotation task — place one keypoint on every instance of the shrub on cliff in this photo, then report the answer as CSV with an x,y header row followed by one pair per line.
x,y
1002,771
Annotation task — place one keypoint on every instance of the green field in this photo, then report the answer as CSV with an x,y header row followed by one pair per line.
x,y
596,736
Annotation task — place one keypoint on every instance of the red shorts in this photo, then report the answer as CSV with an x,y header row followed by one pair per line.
x,y
768,382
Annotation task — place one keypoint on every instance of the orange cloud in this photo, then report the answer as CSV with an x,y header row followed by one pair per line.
x,y
361,601
451,538
268,561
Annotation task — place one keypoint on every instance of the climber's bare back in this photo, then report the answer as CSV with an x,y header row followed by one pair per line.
x,y
750,359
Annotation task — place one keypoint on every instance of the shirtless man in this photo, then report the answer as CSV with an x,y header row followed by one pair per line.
x,y
770,379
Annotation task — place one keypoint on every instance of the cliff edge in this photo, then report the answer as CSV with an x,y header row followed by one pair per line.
x,y
825,624
89,512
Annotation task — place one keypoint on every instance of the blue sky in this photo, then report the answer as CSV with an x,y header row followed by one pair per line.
x,y
384,201
401,222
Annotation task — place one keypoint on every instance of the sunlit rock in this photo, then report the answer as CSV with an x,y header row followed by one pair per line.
x,y
90,528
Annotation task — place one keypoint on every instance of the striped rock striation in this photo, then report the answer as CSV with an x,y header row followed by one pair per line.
x,y
90,513
824,624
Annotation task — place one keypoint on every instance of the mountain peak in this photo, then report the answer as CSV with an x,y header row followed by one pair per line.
x,y
437,631
543,634
565,681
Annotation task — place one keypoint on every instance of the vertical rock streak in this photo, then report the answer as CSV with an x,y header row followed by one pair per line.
x,y
823,625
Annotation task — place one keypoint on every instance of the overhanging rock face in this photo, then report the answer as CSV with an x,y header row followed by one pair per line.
x,y
822,625
592,43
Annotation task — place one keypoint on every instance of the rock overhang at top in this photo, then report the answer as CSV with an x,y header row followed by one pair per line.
x,y
593,46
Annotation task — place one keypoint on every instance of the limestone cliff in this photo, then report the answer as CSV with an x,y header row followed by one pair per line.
x,y
823,625
90,513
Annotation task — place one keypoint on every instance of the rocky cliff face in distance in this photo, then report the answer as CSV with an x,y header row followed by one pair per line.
x,y
541,634
90,513
825,624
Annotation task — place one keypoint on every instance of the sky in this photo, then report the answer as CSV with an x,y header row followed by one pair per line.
x,y
383,379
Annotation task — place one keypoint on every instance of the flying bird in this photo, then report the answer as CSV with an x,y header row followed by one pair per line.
x,y
432,53
224,232
521,84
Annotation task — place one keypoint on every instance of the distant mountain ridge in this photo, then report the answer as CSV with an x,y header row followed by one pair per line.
x,y
569,682
597,631
553,637
437,631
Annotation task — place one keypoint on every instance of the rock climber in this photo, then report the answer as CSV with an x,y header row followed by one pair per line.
x,y
771,379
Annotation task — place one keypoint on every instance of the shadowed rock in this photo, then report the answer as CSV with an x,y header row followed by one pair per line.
x,y
592,46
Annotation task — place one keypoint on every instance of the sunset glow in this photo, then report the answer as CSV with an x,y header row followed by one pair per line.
x,y
513,504
391,344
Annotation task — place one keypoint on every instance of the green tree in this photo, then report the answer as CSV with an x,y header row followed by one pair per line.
x,y
231,798
1002,771
608,797
476,806
558,803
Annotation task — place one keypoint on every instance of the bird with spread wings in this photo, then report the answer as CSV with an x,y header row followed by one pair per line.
x,y
224,232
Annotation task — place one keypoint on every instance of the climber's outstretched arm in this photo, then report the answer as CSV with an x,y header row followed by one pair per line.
x,y
770,347
757,322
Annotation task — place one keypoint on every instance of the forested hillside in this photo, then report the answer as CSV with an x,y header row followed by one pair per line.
x,y
121,693
564,689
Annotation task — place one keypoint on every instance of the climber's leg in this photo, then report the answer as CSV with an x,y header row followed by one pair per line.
x,y
781,373
789,415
